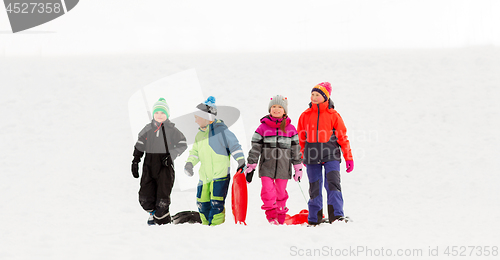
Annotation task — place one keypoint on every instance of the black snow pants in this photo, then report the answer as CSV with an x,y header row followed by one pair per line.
x,y
156,184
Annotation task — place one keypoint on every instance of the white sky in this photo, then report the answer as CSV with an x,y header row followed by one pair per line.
x,y
133,26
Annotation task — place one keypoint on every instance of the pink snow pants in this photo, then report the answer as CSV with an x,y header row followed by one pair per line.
x,y
274,196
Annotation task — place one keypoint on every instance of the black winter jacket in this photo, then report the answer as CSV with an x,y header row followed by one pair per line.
x,y
151,140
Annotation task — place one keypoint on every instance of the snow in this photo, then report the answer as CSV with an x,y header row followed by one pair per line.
x,y
422,124
130,26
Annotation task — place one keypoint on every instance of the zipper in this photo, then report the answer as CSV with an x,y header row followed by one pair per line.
x,y
276,168
317,126
208,144
157,131
317,131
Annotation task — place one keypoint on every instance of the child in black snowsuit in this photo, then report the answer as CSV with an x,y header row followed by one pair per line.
x,y
158,173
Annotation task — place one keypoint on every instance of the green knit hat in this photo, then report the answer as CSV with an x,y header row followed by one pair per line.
x,y
161,105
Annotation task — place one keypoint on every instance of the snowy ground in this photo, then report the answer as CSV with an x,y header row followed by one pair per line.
x,y
422,124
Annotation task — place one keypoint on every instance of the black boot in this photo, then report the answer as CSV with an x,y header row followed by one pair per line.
x,y
162,214
319,217
332,219
162,219
331,215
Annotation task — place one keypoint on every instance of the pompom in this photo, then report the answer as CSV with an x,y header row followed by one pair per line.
x,y
327,86
210,101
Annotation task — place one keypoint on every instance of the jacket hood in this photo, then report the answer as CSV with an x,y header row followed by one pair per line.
x,y
330,104
218,123
166,123
323,107
274,122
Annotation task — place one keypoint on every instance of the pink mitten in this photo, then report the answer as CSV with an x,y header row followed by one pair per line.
x,y
249,172
349,165
250,167
298,172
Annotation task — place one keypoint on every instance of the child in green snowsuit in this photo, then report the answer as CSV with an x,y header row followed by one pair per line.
x,y
213,146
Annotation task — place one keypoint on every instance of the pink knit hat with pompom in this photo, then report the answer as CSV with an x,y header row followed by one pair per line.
x,y
324,88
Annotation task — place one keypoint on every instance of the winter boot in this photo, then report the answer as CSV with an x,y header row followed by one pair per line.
x,y
151,220
282,215
273,221
342,218
162,214
164,219
332,219
319,217
281,219
272,216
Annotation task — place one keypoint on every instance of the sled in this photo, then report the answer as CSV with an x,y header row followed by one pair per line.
x,y
239,198
299,219
190,217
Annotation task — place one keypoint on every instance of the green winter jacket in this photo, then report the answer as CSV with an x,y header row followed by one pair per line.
x,y
211,147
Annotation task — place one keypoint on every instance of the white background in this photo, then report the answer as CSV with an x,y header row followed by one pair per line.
x,y
222,25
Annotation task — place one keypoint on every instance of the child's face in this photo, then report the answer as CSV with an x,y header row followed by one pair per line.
x,y
277,111
202,122
317,98
160,117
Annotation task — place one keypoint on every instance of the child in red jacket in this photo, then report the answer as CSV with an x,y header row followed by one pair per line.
x,y
322,137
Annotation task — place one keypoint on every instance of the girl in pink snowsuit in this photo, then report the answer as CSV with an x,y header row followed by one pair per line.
x,y
276,142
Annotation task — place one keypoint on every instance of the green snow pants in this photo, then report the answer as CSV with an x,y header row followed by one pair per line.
x,y
210,199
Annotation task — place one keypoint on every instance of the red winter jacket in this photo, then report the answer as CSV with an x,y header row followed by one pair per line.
x,y
322,135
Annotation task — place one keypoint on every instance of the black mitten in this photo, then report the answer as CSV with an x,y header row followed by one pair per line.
x,y
250,176
135,163
135,170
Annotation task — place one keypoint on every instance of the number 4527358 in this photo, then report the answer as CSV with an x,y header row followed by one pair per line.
x,y
31,8
471,251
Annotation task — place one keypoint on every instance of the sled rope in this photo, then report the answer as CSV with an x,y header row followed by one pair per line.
x,y
298,183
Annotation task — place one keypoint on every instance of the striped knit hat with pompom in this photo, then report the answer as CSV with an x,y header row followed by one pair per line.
x,y
207,109
161,105
323,88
